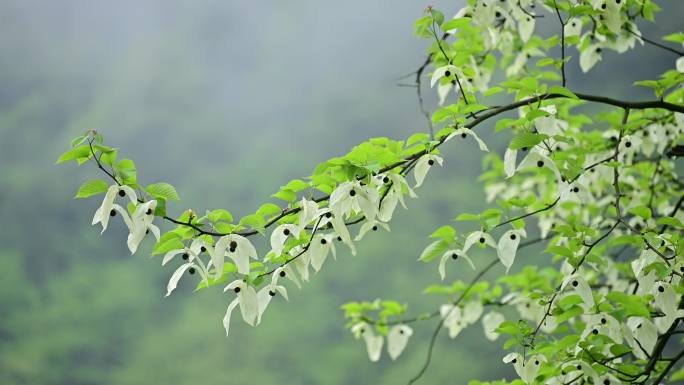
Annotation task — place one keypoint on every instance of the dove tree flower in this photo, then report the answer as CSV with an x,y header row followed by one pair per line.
x,y
593,179
107,209
247,299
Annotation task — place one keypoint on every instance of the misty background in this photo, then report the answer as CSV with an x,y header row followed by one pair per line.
x,y
226,100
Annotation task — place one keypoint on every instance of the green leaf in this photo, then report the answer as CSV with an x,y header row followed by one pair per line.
x,y
456,23
642,211
526,140
562,91
78,153
268,209
433,250
92,187
286,195
445,232
162,190
166,245
127,171
220,215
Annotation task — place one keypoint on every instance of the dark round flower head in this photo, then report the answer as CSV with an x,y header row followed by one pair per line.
x,y
112,213
661,289
271,293
203,249
233,245
352,192
482,240
191,270
513,237
431,162
594,332
185,256
607,381
323,241
339,238
540,163
575,283
628,144
454,256
575,189
328,215
463,135
401,331
122,193
286,232
386,179
447,73
375,228
282,273
148,212
237,289
514,360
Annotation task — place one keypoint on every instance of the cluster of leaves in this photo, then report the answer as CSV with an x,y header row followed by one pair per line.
x,y
600,192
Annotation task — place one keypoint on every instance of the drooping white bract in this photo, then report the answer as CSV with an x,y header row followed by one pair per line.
x,y
667,300
510,159
266,293
526,27
452,319
319,248
472,311
491,322
508,246
454,255
527,371
370,226
448,72
577,283
235,247
104,212
395,195
603,324
287,271
247,299
479,237
140,224
641,335
397,338
191,254
373,342
280,235
573,27
423,165
536,160
464,132
350,197
590,56
309,212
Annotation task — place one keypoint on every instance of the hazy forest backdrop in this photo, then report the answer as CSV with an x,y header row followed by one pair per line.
x,y
227,100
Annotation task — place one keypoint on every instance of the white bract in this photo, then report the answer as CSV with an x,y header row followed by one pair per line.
x,y
235,247
526,370
490,322
452,255
508,246
105,211
465,132
423,165
397,338
373,342
246,299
